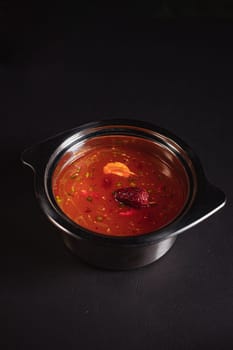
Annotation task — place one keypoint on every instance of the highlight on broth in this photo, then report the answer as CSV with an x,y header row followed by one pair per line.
x,y
120,187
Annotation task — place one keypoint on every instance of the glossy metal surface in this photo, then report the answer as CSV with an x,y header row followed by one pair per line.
x,y
118,258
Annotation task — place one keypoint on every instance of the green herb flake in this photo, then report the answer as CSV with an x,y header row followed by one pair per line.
x,y
74,175
121,205
89,198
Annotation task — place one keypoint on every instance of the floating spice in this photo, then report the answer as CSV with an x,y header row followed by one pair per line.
x,y
58,199
132,196
76,173
117,168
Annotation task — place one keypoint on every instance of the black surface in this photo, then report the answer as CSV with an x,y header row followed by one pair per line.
x,y
59,70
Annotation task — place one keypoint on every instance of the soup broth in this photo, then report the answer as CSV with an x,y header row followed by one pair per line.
x,y
120,186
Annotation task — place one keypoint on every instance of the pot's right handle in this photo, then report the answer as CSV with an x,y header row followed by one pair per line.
x,y
208,201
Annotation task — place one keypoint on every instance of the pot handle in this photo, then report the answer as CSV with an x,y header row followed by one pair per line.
x,y
37,156
209,200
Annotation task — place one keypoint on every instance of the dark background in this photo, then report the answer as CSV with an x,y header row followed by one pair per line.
x,y
170,63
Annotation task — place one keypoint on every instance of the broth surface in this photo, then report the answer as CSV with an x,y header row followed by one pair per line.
x,y
85,188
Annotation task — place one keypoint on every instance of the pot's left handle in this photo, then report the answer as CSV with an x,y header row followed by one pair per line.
x,y
37,156
28,158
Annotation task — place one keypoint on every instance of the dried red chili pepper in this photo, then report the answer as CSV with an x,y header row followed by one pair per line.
x,y
132,196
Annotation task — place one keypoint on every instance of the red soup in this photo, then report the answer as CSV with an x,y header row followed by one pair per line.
x,y
120,186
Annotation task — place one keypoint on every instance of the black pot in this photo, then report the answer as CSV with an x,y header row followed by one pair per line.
x,y
111,252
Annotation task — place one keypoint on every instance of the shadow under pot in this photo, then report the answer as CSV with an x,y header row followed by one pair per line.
x,y
120,191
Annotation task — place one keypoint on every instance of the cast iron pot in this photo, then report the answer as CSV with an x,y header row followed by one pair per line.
x,y
111,252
